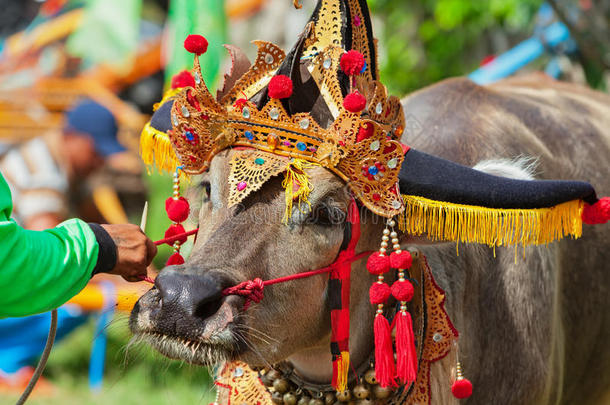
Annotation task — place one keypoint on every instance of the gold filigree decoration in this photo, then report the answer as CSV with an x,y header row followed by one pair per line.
x,y
327,29
359,147
238,384
324,70
268,59
250,169
439,340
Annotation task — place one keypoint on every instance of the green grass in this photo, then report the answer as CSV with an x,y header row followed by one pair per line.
x,y
135,376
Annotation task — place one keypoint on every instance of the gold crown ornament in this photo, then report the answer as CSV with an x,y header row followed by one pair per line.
x,y
359,140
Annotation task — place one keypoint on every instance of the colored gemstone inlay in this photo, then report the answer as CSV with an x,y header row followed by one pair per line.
x,y
373,170
301,146
241,185
249,135
189,135
259,161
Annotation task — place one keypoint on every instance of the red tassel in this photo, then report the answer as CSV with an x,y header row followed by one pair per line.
x,y
406,354
384,355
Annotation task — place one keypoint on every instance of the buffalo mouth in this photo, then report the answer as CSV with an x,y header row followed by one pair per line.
x,y
207,335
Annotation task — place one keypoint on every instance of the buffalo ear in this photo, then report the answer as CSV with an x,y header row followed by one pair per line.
x,y
239,66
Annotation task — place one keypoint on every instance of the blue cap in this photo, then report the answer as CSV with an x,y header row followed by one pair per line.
x,y
98,122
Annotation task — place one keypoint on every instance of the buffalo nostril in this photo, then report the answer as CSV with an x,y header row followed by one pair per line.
x,y
197,295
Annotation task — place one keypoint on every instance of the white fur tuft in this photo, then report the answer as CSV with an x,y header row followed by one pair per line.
x,y
520,168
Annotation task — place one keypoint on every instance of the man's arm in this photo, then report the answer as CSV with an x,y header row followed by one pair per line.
x,y
42,270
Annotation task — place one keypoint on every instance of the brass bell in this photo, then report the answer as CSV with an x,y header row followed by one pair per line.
x,y
381,392
273,374
304,400
344,396
361,392
329,398
281,385
276,398
290,399
370,377
265,379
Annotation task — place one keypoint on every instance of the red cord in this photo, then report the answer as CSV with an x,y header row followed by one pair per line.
x,y
252,290
176,237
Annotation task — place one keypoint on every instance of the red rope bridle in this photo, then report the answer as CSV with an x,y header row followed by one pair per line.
x,y
253,290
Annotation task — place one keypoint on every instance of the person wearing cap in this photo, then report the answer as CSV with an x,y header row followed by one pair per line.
x,y
43,171
53,258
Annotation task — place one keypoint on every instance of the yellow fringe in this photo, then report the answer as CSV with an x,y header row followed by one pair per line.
x,y
156,149
295,174
342,372
443,221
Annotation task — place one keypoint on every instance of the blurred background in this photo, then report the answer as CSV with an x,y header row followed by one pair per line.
x,y
123,53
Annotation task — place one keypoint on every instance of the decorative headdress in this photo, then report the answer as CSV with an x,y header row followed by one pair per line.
x,y
322,104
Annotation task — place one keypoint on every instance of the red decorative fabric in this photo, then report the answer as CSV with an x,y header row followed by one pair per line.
x,y
402,260
279,87
177,210
196,44
378,264
598,213
461,389
352,63
340,277
183,79
354,102
366,131
379,293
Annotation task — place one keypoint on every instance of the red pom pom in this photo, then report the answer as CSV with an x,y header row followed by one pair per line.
x,y
598,213
379,293
402,290
183,79
378,264
280,86
352,63
402,260
354,102
175,259
177,210
366,131
196,44
462,389
173,230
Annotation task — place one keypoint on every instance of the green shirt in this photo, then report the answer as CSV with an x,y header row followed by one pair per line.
x,y
40,271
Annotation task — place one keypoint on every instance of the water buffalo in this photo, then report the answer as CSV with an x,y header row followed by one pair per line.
x,y
534,323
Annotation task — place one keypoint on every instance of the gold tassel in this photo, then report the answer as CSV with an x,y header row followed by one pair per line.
x,y
296,176
444,221
156,148
343,372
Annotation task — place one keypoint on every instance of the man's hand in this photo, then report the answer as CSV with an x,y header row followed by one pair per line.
x,y
135,251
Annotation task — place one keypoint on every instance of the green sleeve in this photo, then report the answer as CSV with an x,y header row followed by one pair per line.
x,y
41,270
